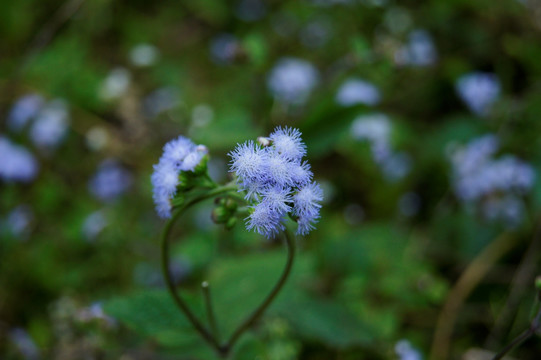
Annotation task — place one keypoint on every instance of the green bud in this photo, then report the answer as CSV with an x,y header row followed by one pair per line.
x,y
230,204
220,215
230,223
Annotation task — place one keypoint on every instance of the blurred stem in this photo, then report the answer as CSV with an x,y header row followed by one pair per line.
x,y
526,334
521,280
210,311
290,242
211,336
469,279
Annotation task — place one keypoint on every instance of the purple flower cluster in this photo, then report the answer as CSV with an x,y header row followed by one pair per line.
x,y
495,184
477,174
180,154
277,182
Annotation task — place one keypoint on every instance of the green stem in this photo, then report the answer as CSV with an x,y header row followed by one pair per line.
x,y
210,310
165,263
171,286
211,336
525,335
290,242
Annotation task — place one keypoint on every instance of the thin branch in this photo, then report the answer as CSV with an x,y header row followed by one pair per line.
x,y
290,242
469,279
210,310
521,281
525,335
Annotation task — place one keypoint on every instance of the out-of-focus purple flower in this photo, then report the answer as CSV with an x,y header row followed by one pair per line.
x,y
479,91
357,91
477,174
406,351
26,107
419,51
95,312
110,181
508,209
160,101
94,225
376,129
292,80
51,125
18,221
17,163
24,343
224,48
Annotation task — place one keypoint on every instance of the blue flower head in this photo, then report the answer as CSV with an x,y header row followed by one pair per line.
x,y
277,182
179,154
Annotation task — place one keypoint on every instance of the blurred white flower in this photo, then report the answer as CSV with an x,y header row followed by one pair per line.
x,y
406,351
292,80
24,109
94,225
161,101
115,84
357,91
144,55
419,51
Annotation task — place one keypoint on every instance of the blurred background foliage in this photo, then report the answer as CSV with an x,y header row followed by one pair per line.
x,y
394,100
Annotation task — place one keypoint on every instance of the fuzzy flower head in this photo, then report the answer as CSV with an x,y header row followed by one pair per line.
x,y
179,155
277,182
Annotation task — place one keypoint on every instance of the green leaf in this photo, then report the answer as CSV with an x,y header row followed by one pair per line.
x,y
327,321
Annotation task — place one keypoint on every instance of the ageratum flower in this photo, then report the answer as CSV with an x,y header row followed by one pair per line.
x,y
357,91
17,163
479,91
277,182
180,154
292,80
477,174
51,125
110,181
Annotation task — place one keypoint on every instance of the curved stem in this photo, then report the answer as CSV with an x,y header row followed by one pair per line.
x,y
210,337
270,297
171,286
165,263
